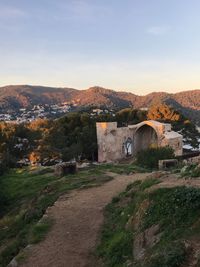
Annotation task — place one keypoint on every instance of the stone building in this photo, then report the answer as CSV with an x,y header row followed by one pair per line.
x,y
117,143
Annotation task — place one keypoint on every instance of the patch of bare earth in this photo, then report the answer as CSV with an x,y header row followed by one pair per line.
x,y
172,180
78,218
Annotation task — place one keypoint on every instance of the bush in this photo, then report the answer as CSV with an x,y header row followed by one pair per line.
x,y
192,170
149,158
196,171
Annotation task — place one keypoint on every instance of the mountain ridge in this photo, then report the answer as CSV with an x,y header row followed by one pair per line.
x,y
13,97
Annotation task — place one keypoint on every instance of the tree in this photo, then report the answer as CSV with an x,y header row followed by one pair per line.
x,y
130,116
163,112
181,124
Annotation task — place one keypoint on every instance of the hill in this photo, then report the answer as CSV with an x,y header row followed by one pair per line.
x,y
23,96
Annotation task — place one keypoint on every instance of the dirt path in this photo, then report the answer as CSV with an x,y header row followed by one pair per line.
x,y
172,181
78,218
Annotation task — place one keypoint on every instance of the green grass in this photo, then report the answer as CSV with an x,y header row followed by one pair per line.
x,y
116,241
39,231
28,194
121,168
173,208
176,211
148,183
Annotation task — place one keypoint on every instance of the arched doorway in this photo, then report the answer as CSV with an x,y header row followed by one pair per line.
x,y
145,137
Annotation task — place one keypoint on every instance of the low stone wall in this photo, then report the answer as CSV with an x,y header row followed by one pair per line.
x,y
167,163
65,168
192,160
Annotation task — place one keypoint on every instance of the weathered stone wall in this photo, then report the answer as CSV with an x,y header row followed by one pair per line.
x,y
112,140
195,160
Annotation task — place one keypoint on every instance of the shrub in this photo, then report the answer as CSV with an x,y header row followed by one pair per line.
x,y
196,172
192,170
149,158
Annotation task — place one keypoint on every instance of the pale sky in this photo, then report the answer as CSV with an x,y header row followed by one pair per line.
x,y
132,45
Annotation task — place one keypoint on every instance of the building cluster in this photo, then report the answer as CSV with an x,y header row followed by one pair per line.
x,y
47,111
35,112
98,111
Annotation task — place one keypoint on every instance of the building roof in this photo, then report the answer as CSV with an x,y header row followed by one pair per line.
x,y
172,135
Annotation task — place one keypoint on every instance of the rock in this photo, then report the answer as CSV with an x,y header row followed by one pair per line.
x,y
13,263
139,246
129,263
136,220
167,163
83,165
145,240
65,168
152,236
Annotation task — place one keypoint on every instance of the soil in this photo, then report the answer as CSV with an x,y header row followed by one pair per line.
x,y
78,218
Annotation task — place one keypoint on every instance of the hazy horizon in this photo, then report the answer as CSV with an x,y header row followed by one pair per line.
x,y
134,46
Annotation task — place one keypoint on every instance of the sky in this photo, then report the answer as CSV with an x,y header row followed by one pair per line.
x,y
128,45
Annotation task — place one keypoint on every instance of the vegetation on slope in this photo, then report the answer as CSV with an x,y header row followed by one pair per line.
x,y
152,228
150,157
165,113
15,97
74,135
28,194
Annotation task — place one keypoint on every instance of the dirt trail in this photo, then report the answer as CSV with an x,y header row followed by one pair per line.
x,y
172,180
77,221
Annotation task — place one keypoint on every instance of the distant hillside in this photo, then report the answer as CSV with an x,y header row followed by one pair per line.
x,y
22,96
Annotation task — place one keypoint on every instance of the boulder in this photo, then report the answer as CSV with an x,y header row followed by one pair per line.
x,y
65,168
167,163
145,240
13,263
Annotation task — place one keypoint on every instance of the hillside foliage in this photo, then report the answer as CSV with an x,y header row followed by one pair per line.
x,y
128,238
23,96
149,158
181,124
74,135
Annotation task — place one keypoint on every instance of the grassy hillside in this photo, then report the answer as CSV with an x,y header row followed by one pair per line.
x,y
26,193
152,228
